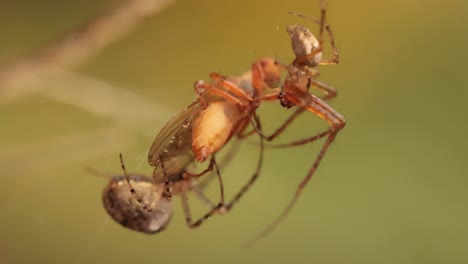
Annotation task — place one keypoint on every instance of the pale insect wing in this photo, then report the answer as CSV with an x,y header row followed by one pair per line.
x,y
174,144
173,127
176,159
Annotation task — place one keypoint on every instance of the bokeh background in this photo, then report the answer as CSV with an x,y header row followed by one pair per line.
x,y
391,189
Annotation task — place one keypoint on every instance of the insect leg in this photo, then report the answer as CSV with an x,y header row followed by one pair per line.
x,y
229,86
205,87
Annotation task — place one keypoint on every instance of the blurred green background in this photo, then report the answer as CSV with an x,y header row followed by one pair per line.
x,y
392,188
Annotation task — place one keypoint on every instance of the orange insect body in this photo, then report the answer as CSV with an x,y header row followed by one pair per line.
x,y
213,127
224,109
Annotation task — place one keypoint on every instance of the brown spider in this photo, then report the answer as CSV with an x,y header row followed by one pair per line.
x,y
124,209
294,92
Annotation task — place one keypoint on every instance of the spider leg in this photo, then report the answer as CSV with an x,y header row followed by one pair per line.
x,y
281,129
167,182
132,190
189,175
316,105
241,134
201,196
273,96
311,103
224,160
253,178
186,208
303,141
330,92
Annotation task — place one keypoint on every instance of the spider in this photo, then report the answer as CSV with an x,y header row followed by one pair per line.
x,y
124,209
301,75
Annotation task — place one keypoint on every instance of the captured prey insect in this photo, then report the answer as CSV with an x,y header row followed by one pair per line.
x,y
223,110
301,75
121,205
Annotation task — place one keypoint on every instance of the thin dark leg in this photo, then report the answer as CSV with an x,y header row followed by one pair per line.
x,y
246,134
320,108
303,141
240,132
202,197
188,175
197,223
296,196
254,177
323,110
231,152
132,190
167,183
224,160
281,129
330,92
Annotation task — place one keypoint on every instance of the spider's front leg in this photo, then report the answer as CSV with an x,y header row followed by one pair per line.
x,y
294,95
